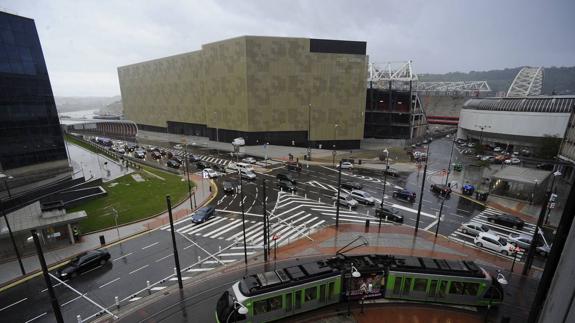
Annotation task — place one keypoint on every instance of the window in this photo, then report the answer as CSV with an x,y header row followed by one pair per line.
x,y
470,289
397,286
419,285
288,302
442,288
310,294
322,293
297,300
407,286
268,305
432,288
331,290
456,288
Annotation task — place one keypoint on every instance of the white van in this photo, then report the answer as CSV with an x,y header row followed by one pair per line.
x,y
244,166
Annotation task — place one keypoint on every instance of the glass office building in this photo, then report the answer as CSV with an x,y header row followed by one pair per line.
x,y
30,137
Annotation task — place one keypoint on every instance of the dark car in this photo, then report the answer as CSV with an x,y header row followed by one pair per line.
x,y
156,155
442,190
203,214
193,158
389,214
404,195
229,187
286,177
351,185
287,186
506,220
84,262
391,172
173,164
140,154
293,166
178,160
201,165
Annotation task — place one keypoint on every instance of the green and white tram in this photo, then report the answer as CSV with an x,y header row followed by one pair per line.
x,y
288,291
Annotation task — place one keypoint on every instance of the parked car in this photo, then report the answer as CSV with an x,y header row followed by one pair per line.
x,y
391,172
229,187
201,165
286,186
178,147
506,220
389,214
513,161
493,242
249,160
440,189
473,228
156,155
140,154
286,177
362,197
173,164
203,214
351,185
346,200
178,160
210,172
193,158
84,262
404,195
522,241
247,174
497,149
345,165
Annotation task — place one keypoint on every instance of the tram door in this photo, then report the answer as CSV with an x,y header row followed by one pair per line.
x,y
431,292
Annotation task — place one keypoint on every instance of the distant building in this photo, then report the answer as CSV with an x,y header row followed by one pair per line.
x,y
285,91
31,143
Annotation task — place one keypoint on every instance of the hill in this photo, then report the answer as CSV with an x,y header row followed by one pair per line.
x,y
558,79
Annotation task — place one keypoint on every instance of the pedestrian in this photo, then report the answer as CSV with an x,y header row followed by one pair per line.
x,y
76,233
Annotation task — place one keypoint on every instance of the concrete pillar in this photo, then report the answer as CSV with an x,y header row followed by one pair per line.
x,y
70,233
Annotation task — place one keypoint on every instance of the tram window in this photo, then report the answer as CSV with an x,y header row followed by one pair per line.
x,y
260,307
298,300
397,285
275,303
432,288
456,288
419,285
288,302
407,286
331,290
322,293
268,305
310,294
442,288
470,289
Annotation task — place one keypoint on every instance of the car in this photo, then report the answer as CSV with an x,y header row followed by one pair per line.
x,y
346,200
525,152
345,165
130,147
471,145
362,197
497,149
210,173
249,160
140,154
487,158
193,158
473,228
247,174
389,214
229,187
121,150
173,164
178,147
506,220
440,189
151,148
201,165
218,168
544,249
391,172
545,166
522,241
351,185
493,242
294,166
239,141
84,262
203,214
286,186
163,152
513,161
286,177
404,195
156,155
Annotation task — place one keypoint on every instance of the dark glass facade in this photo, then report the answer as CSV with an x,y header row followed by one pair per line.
x,y
29,126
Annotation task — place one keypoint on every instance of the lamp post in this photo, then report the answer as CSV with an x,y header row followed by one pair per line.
x,y
243,217
187,157
354,273
553,195
334,141
421,192
116,221
384,183
482,127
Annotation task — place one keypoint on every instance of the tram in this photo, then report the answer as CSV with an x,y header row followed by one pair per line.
x,y
289,291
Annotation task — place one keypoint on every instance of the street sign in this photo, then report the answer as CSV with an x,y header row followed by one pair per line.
x,y
275,237
205,175
552,205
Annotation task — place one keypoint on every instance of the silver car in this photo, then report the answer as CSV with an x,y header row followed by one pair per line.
x,y
522,241
362,197
346,200
473,228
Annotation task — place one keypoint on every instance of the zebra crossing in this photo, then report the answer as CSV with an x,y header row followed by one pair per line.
x,y
214,160
503,231
323,186
366,178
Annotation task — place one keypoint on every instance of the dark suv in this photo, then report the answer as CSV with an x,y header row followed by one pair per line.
x,y
351,185
389,214
203,214
84,262
404,195
287,186
442,190
506,220
286,177
229,187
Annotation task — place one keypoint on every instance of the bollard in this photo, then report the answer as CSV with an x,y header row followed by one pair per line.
x,y
305,195
117,301
350,207
175,272
367,213
220,252
319,199
333,203
367,223
148,287
291,193
200,260
79,318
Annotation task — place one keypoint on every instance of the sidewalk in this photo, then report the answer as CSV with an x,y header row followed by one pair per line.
x,y
10,271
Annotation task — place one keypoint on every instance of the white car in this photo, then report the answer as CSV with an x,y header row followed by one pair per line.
x,y
497,149
362,197
513,161
249,160
239,142
493,242
346,200
247,174
474,229
346,165
179,147
210,173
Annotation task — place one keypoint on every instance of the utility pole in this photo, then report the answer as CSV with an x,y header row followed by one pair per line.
x,y
421,192
446,181
176,257
265,220
533,246
338,196
243,217
384,183
46,274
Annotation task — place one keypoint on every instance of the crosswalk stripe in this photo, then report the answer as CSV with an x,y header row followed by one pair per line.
x,y
241,233
293,216
203,226
317,224
224,229
301,218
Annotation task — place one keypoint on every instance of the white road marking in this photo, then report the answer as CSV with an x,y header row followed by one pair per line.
x,y
124,256
223,229
150,245
431,225
37,317
157,288
134,299
233,254
70,301
136,270
108,283
20,301
198,269
164,257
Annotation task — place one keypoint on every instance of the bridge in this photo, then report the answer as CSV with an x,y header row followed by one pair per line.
x,y
124,129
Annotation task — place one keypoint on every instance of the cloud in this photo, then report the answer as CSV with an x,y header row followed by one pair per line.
x,y
85,41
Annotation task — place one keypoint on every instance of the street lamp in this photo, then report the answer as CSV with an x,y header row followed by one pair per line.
x,y
243,216
386,152
354,274
187,157
309,131
553,196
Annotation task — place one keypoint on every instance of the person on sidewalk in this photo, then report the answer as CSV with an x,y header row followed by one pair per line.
x,y
76,233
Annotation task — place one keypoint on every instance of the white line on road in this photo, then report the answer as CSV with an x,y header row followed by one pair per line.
x,y
158,288
108,283
70,301
133,271
124,256
35,318
198,269
461,210
431,225
20,301
151,245
164,257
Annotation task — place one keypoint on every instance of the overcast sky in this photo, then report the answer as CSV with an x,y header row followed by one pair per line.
x,y
85,41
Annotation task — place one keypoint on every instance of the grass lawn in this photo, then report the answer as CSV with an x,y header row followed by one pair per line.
x,y
132,200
